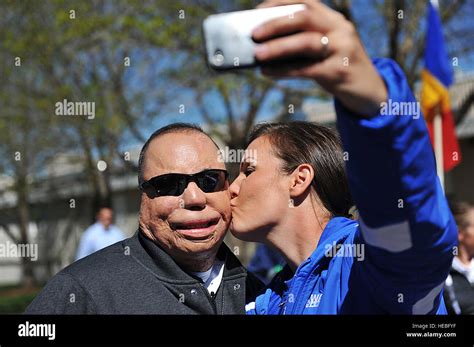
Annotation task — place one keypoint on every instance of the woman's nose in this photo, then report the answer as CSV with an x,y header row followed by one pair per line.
x,y
235,187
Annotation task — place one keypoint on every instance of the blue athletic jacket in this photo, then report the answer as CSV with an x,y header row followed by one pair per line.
x,y
395,258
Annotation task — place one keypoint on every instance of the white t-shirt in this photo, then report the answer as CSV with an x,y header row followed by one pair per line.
x,y
212,278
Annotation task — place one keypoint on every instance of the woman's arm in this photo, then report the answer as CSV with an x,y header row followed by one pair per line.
x,y
405,222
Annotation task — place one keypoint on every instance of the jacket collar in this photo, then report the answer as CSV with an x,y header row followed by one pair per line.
x,y
336,232
162,265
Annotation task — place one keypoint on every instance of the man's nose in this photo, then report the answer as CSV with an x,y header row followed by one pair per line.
x,y
193,197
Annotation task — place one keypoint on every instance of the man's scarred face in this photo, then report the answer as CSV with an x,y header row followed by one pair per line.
x,y
194,223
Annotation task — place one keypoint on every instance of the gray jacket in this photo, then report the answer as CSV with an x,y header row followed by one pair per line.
x,y
135,276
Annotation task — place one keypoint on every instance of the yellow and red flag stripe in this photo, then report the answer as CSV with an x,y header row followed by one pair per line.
x,y
436,77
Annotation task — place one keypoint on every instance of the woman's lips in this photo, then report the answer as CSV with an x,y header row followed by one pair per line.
x,y
196,229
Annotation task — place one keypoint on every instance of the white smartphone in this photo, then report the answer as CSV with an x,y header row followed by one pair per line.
x,y
228,36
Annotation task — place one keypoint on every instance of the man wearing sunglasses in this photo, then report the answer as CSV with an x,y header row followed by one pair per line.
x,y
176,263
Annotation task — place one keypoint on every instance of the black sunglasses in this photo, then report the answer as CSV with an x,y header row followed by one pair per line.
x,y
174,184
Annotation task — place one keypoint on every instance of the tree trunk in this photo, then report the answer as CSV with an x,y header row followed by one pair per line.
x,y
28,275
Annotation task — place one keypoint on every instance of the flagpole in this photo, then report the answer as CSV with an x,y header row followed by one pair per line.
x,y
438,132
438,140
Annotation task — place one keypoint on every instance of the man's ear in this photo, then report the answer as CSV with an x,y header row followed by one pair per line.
x,y
301,179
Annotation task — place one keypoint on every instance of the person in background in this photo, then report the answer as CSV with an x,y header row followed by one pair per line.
x,y
266,263
100,234
459,287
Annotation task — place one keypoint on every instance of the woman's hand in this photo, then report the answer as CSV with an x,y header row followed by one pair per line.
x,y
341,67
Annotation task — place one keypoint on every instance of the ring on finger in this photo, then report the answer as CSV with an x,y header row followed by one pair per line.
x,y
325,46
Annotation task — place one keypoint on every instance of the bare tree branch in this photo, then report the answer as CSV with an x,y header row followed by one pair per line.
x,y
229,111
255,105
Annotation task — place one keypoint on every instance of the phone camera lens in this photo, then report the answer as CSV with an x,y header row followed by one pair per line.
x,y
218,58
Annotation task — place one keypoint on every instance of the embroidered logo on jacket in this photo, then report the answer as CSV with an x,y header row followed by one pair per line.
x,y
314,300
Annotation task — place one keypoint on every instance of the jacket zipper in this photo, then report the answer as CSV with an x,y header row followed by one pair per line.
x,y
211,299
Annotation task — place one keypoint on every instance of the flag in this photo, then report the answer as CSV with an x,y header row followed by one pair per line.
x,y
436,77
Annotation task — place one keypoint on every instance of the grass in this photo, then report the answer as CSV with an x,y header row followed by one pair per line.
x,y
15,299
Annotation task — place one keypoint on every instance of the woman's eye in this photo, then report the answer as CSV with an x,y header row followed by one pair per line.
x,y
248,171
